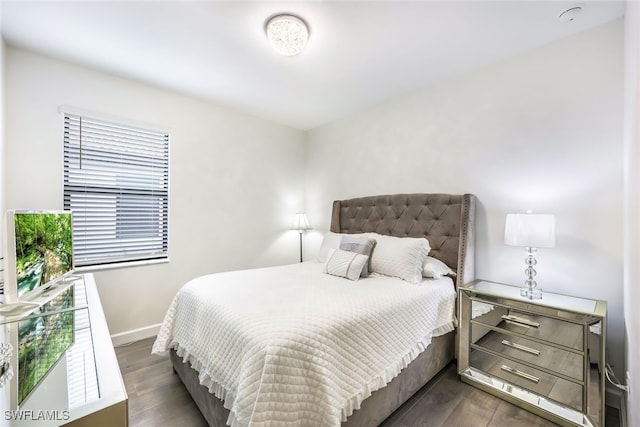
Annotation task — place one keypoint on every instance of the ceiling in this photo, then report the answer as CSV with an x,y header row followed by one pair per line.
x,y
358,54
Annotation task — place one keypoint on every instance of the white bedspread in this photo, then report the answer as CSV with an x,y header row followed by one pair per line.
x,y
293,346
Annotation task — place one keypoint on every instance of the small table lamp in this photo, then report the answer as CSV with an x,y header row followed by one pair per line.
x,y
531,231
301,223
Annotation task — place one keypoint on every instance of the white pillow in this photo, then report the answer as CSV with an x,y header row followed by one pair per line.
x,y
345,264
436,269
331,240
401,257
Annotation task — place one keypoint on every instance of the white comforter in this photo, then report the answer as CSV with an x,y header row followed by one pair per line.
x,y
293,346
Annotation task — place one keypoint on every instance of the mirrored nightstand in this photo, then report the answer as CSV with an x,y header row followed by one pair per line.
x,y
546,356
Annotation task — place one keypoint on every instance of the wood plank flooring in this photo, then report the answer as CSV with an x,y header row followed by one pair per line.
x,y
157,398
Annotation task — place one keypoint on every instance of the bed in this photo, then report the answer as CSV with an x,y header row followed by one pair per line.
x,y
289,375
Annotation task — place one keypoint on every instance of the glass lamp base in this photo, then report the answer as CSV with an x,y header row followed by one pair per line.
x,y
531,293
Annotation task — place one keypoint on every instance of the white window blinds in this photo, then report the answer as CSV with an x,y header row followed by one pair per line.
x,y
116,183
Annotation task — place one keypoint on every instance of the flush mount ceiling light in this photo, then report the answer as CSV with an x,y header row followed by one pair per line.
x,y
288,34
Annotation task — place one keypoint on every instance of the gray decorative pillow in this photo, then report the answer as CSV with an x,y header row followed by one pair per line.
x,y
361,244
345,264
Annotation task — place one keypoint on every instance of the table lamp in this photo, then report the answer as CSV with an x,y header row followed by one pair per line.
x,y
531,231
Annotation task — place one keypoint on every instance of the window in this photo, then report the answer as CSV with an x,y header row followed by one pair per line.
x,y
116,183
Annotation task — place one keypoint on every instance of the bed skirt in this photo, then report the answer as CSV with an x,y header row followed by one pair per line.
x,y
375,409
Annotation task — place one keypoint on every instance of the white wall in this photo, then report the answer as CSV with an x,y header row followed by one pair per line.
x,y
2,145
235,180
541,131
4,394
632,208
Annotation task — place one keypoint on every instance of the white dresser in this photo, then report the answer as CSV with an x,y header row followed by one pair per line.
x,y
84,387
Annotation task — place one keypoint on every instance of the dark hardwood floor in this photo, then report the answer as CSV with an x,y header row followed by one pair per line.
x,y
158,398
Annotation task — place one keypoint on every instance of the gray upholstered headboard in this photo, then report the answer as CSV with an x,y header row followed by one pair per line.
x,y
446,220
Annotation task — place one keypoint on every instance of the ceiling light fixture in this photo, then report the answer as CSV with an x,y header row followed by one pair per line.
x,y
288,34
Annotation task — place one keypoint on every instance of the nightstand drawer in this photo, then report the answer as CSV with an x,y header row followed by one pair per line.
x,y
526,377
562,362
557,331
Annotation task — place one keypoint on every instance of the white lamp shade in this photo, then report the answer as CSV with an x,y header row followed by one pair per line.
x,y
301,222
530,230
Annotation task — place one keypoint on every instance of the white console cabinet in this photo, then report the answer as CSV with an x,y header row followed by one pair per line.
x,y
84,388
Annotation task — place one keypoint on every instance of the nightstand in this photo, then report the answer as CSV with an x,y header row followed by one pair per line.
x,y
546,356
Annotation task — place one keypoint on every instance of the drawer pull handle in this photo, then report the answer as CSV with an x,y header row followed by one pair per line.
x,y
521,347
520,374
520,320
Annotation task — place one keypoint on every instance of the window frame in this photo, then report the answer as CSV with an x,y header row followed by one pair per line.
x,y
116,183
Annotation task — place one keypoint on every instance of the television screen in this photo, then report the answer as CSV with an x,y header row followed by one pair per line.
x,y
43,339
40,251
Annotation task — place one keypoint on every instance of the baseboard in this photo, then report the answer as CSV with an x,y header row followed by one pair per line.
x,y
616,399
135,335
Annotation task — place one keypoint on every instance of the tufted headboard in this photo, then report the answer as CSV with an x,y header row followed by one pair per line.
x,y
446,220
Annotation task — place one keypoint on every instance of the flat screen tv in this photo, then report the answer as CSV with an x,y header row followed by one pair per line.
x,y
38,253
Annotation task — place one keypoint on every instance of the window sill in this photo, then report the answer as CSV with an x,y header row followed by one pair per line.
x,y
93,268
